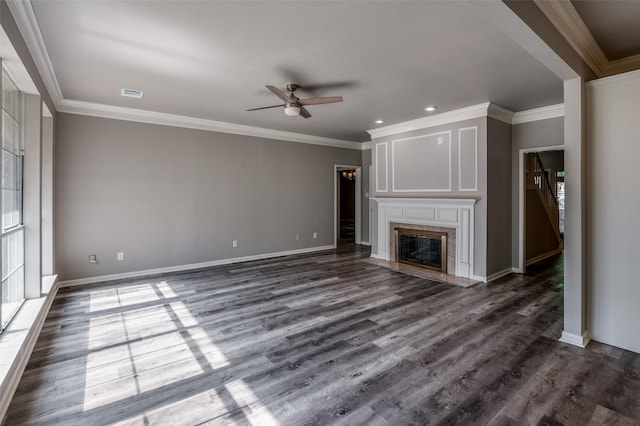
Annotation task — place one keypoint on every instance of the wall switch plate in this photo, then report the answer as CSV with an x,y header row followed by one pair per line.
x,y
235,243
315,235
93,258
120,255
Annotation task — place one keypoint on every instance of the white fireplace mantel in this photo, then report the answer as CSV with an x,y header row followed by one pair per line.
x,y
457,213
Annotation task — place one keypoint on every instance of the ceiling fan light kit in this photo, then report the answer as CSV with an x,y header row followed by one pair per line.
x,y
294,106
291,110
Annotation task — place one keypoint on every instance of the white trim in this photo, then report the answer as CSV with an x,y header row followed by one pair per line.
x,y
494,276
563,15
9,383
367,145
365,243
499,113
521,216
486,109
164,119
393,157
574,339
456,213
25,18
27,23
567,21
475,187
386,167
179,268
603,82
537,114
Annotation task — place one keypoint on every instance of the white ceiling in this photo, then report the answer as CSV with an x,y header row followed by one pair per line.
x,y
212,59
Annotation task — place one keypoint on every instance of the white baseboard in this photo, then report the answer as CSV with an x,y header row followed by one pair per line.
x,y
365,243
9,382
574,339
179,268
492,277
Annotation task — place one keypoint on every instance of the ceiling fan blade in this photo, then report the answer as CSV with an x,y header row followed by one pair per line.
x,y
304,113
272,106
279,93
318,101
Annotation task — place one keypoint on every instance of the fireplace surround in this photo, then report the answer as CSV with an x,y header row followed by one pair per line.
x,y
454,216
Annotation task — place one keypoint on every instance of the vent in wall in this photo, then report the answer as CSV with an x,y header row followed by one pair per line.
x,y
131,93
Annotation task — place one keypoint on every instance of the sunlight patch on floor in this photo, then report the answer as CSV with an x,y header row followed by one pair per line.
x,y
244,396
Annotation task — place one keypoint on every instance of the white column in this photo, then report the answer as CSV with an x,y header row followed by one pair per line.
x,y
48,265
575,327
32,196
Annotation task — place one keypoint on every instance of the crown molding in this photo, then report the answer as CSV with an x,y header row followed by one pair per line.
x,y
164,119
603,82
536,114
25,18
623,65
486,109
567,21
499,113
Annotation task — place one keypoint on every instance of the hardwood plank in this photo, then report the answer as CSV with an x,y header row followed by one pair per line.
x,y
319,338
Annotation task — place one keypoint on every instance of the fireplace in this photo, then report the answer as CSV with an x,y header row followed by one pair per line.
x,y
427,249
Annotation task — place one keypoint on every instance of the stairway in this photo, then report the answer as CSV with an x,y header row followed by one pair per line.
x,y
543,237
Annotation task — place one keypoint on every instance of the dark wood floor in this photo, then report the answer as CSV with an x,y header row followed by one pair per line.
x,y
319,339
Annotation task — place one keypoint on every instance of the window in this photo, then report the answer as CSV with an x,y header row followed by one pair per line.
x,y
12,290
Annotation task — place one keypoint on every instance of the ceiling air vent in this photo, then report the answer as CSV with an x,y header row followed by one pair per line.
x,y
131,93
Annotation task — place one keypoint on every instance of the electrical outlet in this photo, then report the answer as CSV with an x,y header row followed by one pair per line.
x,y
297,237
120,255
93,258
235,243
315,235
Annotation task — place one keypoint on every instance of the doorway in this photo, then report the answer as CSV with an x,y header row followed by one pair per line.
x,y
347,201
537,239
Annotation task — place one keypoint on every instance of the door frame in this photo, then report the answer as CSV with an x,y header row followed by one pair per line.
x,y
521,197
358,224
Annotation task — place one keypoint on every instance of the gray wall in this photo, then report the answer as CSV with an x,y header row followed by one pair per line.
x,y
169,196
499,196
480,237
535,134
366,194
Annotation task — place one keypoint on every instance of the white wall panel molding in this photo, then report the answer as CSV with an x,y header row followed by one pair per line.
x,y
164,119
382,167
456,213
468,159
417,163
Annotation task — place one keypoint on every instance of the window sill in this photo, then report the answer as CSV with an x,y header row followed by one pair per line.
x,y
18,339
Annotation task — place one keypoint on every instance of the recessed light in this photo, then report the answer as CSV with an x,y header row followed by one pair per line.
x,y
379,121
131,93
431,108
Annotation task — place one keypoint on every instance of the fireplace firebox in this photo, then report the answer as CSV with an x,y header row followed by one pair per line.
x,y
427,249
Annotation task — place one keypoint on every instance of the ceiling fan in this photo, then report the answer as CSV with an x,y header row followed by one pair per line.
x,y
295,106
